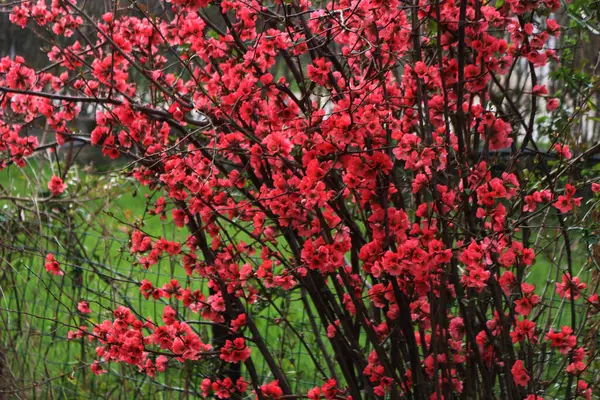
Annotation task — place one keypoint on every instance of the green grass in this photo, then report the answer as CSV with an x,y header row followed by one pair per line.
x,y
99,269
90,265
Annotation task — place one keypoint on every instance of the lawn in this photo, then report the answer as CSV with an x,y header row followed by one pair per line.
x,y
39,309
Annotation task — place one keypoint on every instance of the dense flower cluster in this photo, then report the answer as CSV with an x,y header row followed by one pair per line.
x,y
366,185
123,340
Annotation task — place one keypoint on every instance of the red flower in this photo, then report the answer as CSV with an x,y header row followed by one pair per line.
x,y
20,77
235,351
19,16
520,374
570,287
594,301
577,366
540,90
319,71
421,69
169,315
56,185
330,389
161,363
584,390
314,393
84,307
147,290
272,390
457,328
52,265
566,202
237,323
477,278
528,301
563,204
552,104
222,388
564,340
331,331
563,151
180,217
140,243
97,368
524,330
242,385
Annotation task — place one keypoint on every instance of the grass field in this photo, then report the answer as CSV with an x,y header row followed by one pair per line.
x,y
39,309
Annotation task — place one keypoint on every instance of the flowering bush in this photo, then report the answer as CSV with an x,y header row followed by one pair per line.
x,y
346,151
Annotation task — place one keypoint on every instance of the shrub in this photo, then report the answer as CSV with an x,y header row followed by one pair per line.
x,y
373,160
